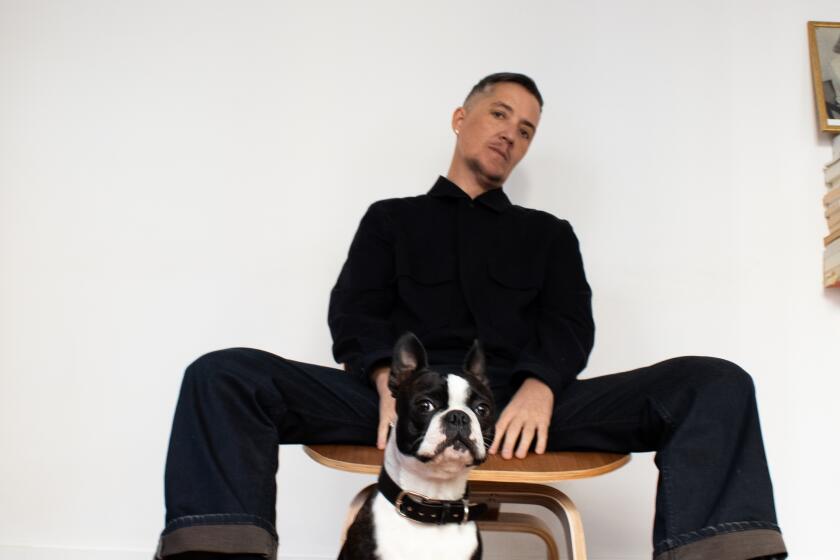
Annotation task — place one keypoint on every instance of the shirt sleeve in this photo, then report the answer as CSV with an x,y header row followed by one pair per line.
x,y
565,328
363,297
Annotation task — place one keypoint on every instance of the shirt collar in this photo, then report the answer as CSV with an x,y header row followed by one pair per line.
x,y
494,199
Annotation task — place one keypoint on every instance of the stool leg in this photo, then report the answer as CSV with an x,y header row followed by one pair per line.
x,y
540,495
523,523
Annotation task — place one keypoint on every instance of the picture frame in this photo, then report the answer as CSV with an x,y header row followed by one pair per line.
x,y
824,46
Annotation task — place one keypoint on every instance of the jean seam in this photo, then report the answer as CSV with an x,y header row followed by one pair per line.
x,y
220,519
568,427
711,531
360,423
667,488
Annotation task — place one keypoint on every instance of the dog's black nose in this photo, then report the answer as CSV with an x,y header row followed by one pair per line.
x,y
457,418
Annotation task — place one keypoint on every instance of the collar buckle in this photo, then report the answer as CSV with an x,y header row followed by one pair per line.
x,y
440,514
414,496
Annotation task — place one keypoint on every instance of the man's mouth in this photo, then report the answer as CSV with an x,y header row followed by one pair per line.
x,y
500,152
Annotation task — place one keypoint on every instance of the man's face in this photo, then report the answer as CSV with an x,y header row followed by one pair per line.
x,y
495,130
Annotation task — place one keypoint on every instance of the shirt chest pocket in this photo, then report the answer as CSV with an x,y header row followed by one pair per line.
x,y
515,275
427,289
513,290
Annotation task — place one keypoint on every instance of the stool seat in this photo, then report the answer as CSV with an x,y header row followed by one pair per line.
x,y
496,482
549,467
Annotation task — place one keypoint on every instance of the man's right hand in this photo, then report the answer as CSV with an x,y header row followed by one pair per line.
x,y
387,404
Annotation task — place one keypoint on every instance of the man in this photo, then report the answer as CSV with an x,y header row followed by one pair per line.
x,y
460,263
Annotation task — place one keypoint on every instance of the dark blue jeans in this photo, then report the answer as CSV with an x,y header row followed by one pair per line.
x,y
714,498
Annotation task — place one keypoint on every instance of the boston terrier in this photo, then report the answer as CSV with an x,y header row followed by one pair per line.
x,y
445,423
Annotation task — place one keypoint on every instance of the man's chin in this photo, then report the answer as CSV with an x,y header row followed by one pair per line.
x,y
490,176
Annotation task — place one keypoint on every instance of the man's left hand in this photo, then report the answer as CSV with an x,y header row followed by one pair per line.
x,y
528,414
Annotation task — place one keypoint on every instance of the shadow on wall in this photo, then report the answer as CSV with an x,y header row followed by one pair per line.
x,y
833,296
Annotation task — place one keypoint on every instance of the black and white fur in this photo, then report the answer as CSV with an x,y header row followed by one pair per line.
x,y
445,423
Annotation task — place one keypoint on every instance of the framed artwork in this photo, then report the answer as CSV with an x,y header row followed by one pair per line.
x,y
824,41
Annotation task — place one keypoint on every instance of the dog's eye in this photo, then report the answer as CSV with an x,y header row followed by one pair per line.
x,y
482,410
425,405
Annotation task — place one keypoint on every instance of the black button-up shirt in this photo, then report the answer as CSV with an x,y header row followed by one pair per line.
x,y
452,269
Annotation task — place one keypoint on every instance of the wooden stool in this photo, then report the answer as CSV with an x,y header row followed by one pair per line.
x,y
498,482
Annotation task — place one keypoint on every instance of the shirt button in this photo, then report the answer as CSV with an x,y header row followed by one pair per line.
x,y
472,204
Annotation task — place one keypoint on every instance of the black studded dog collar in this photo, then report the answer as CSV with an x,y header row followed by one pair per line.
x,y
428,510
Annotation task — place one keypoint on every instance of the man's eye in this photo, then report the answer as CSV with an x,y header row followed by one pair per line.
x,y
498,114
482,410
425,405
525,134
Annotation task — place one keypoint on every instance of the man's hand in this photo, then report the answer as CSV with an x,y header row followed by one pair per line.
x,y
387,404
528,413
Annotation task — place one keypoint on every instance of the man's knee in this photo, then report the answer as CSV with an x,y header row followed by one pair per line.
x,y
219,365
720,388
705,373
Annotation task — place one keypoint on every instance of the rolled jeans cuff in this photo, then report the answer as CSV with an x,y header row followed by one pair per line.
x,y
227,533
727,541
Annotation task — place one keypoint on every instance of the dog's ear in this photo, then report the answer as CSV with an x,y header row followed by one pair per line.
x,y
476,364
409,356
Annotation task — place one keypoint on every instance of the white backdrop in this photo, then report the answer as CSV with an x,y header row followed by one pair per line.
x,y
177,177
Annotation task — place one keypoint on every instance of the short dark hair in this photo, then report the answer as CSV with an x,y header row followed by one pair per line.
x,y
498,77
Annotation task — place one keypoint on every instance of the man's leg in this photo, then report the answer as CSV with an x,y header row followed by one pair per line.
x,y
714,497
234,408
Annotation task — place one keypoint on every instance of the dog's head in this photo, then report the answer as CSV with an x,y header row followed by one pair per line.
x,y
441,416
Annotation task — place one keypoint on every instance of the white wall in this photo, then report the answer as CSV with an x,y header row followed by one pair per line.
x,y
177,177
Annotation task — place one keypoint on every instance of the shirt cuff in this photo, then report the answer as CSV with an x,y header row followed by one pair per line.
x,y
372,360
550,376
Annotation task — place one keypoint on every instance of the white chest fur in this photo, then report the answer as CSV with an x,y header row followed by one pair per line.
x,y
400,538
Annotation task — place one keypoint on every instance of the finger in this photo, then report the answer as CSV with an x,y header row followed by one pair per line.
x,y
542,439
495,445
501,426
382,434
511,435
525,440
